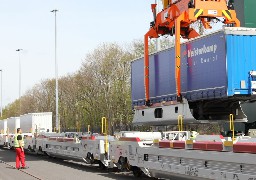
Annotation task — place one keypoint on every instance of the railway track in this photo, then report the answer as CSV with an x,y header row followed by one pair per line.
x,y
45,168
21,170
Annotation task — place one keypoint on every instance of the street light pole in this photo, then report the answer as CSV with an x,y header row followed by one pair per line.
x,y
56,73
19,50
1,92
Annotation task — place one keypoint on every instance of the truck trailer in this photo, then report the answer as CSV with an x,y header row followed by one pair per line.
x,y
12,124
218,73
36,122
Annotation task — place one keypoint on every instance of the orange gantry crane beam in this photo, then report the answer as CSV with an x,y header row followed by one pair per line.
x,y
176,18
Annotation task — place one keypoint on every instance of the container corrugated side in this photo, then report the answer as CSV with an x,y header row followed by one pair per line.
x,y
245,10
249,13
241,59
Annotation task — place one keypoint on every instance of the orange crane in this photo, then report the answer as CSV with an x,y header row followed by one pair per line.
x,y
176,18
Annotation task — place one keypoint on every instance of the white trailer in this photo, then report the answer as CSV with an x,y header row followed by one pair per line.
x,y
3,126
36,122
1,139
3,133
12,124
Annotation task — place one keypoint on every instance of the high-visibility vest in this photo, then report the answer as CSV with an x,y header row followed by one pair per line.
x,y
16,142
193,135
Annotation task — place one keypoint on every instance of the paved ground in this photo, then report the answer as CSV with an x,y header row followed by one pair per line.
x,y
45,168
7,173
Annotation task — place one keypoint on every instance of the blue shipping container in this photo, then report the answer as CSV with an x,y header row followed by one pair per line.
x,y
213,66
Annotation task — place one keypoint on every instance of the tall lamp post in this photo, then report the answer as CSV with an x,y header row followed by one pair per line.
x,y
1,92
157,45
56,73
19,50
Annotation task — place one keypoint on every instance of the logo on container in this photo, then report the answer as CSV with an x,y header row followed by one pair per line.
x,y
203,50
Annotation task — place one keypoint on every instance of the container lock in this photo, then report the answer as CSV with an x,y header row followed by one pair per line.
x,y
253,81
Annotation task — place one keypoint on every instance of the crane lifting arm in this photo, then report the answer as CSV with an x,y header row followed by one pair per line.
x,y
176,18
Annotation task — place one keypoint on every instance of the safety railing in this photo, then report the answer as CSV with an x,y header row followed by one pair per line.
x,y
180,123
88,128
231,126
104,131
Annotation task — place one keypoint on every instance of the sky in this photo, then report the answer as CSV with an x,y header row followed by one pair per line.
x,y
82,25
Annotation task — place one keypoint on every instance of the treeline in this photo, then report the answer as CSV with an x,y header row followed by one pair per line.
x,y
101,87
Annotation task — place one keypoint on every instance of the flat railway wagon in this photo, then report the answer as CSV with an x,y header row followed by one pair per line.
x,y
218,72
156,154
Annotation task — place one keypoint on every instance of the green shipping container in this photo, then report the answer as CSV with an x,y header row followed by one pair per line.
x,y
245,10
